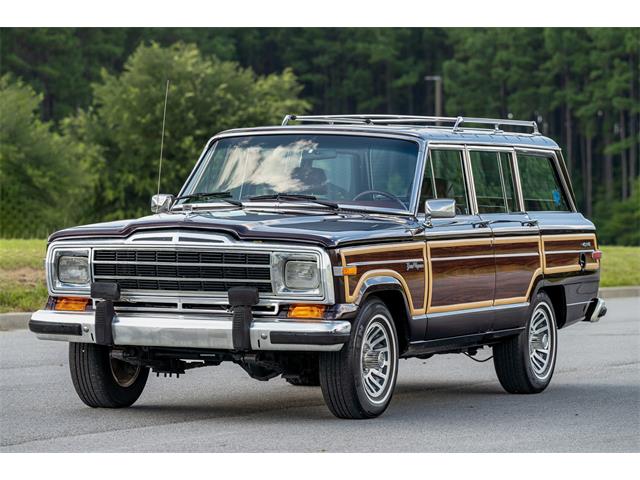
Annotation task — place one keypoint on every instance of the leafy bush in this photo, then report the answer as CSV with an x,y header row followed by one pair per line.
x,y
44,176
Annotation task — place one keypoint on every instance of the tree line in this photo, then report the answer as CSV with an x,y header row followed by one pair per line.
x,y
81,109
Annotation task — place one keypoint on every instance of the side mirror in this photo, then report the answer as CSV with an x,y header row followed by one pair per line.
x,y
440,208
162,202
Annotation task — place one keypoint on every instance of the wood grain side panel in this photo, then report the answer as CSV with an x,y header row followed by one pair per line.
x,y
563,260
514,276
462,282
532,246
400,255
518,264
461,251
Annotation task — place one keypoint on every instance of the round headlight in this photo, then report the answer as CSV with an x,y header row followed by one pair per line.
x,y
73,269
301,275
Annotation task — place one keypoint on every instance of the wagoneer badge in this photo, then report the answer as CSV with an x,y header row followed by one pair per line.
x,y
414,266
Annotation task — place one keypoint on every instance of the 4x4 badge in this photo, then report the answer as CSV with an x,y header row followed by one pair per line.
x,y
586,244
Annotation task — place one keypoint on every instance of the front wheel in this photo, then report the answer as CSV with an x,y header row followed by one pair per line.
x,y
358,381
525,364
103,381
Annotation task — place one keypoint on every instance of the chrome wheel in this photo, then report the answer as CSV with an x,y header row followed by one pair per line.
x,y
542,339
377,360
125,374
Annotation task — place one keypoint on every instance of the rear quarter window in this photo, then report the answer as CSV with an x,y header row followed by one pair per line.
x,y
541,187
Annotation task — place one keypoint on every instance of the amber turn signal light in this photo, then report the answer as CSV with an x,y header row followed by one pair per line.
x,y
306,311
348,270
72,304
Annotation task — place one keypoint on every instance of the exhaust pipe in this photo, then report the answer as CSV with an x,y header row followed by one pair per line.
x,y
598,311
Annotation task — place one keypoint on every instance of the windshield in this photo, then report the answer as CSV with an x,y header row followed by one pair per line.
x,y
357,171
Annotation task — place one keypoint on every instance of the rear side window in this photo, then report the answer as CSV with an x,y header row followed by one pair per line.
x,y
493,181
444,178
541,187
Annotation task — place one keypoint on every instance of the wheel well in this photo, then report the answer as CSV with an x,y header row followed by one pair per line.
x,y
559,302
397,305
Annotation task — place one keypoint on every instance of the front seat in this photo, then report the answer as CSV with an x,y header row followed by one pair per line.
x,y
310,180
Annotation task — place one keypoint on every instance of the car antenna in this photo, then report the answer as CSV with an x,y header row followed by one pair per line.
x,y
164,117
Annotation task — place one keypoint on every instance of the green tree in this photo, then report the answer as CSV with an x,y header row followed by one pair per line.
x,y
206,95
494,72
44,179
620,220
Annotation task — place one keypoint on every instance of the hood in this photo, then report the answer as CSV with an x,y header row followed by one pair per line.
x,y
327,230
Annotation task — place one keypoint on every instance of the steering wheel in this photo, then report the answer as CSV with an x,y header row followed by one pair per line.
x,y
390,196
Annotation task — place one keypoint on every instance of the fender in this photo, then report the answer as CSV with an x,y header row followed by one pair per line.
x,y
415,326
571,295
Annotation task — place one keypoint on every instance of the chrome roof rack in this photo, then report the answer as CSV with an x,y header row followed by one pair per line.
x,y
454,123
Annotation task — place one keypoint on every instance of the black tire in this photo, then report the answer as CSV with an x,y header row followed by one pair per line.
x,y
308,378
344,377
94,377
519,371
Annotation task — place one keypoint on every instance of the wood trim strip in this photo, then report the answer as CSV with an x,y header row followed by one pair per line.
x,y
460,306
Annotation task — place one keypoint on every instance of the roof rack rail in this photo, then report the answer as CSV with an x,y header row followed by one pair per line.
x,y
381,119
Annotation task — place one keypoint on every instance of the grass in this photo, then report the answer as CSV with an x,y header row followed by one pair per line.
x,y
22,284
23,288
620,266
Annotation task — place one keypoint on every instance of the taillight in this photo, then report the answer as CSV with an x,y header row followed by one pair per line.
x,y
596,255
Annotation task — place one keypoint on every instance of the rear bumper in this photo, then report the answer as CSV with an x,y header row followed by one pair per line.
x,y
192,331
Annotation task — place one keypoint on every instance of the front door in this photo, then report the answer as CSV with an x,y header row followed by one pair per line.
x,y
461,270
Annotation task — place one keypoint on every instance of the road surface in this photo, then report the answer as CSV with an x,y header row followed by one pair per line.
x,y
447,403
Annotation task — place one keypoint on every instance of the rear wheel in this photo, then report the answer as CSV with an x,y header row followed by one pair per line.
x,y
525,364
358,381
102,381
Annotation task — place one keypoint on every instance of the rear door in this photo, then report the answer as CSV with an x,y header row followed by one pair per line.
x,y
516,236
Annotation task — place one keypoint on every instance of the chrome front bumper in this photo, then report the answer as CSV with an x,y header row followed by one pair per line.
x,y
192,331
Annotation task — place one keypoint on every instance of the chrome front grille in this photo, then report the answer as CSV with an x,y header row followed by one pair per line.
x,y
182,270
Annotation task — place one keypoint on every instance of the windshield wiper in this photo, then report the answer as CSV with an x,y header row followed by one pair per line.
x,y
224,196
297,197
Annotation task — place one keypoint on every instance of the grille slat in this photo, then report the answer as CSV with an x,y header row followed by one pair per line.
x,y
182,270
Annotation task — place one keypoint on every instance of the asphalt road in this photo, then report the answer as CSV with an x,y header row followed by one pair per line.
x,y
446,403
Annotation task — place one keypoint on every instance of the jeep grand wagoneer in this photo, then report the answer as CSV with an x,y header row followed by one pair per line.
x,y
324,252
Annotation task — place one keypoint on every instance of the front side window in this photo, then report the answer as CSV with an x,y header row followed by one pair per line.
x,y
493,181
541,187
353,170
444,178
